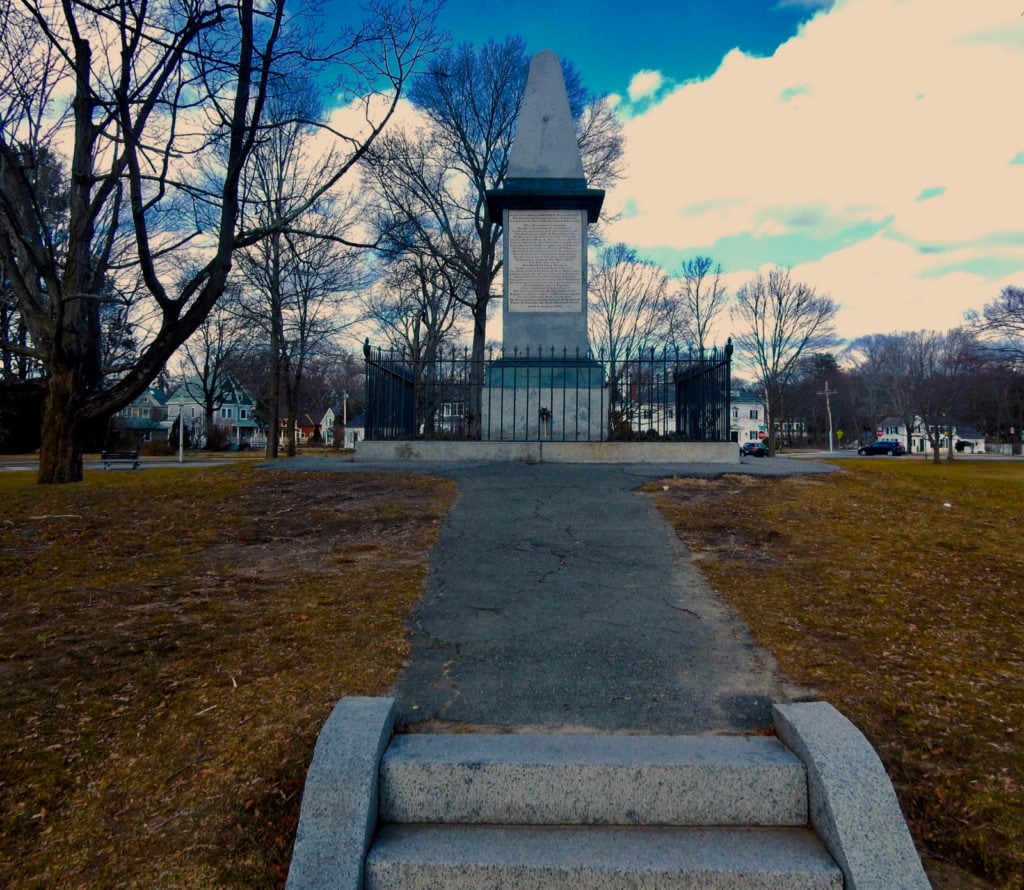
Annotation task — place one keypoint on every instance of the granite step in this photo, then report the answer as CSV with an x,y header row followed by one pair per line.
x,y
471,857
537,779
514,810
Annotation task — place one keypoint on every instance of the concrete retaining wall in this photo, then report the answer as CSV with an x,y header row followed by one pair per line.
x,y
553,452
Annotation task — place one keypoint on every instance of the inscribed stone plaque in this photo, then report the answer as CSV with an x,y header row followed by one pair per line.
x,y
545,260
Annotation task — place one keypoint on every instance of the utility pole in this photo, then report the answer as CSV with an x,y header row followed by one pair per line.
x,y
828,407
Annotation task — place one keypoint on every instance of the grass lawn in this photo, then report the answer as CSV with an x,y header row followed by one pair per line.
x,y
171,642
892,588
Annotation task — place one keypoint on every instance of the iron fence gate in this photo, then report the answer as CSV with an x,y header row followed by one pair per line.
x,y
669,395
391,393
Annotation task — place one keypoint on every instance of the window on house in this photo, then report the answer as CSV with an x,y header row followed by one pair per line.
x,y
241,413
735,413
753,413
227,413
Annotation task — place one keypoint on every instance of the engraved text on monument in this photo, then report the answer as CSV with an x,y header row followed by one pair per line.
x,y
545,260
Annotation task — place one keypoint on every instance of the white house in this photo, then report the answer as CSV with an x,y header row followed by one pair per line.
x,y
355,428
234,411
749,419
965,438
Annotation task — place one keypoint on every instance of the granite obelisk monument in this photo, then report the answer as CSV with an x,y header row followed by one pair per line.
x,y
545,208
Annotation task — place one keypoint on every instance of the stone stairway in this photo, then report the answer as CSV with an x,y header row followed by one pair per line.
x,y
539,811
810,808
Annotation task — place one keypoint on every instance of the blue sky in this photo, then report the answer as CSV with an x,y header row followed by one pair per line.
x,y
609,42
876,147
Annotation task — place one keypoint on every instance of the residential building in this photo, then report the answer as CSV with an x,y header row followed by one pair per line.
x,y
306,428
965,438
144,419
749,419
234,410
355,428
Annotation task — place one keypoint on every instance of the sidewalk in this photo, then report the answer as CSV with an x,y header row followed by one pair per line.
x,y
558,598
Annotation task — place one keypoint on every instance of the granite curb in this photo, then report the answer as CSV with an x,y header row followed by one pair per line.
x,y
853,805
338,817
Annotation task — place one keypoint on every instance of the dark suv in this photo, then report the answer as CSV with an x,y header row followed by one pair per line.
x,y
883,446
753,449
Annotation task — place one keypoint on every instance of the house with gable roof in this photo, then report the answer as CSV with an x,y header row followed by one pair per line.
x,y
144,420
234,409
965,438
331,423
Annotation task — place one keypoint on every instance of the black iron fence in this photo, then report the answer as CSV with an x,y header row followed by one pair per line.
x,y
549,396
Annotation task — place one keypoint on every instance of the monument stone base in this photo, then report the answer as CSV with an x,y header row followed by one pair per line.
x,y
538,400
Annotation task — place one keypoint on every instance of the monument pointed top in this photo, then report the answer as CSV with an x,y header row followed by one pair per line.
x,y
545,144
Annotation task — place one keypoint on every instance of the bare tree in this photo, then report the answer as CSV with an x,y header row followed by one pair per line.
x,y
1002,323
432,183
995,396
935,378
628,305
415,306
701,298
627,314
807,418
599,135
782,321
298,282
885,365
153,89
207,357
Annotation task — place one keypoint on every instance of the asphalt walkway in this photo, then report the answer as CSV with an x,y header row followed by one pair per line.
x,y
558,598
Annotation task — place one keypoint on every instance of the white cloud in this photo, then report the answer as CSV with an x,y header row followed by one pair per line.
x,y
805,4
644,84
872,152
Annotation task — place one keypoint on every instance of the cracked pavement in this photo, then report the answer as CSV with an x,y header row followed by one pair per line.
x,y
558,599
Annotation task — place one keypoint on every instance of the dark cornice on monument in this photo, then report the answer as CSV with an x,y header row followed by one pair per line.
x,y
542,193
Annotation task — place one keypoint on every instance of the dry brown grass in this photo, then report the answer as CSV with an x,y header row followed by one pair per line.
x,y
894,589
171,642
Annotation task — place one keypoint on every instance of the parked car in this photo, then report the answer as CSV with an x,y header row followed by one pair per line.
x,y
753,449
883,446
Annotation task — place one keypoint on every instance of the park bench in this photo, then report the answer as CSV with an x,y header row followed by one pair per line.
x,y
127,459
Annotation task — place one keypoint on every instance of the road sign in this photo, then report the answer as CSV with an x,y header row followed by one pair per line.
x,y
760,434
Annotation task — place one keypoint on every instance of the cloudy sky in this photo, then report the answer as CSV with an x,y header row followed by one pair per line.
x,y
874,146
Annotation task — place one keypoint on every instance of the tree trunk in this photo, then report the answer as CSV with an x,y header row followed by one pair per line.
x,y
293,423
476,369
274,396
772,410
276,345
74,348
60,455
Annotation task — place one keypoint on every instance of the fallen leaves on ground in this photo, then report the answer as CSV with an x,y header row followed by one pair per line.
x,y
171,642
893,588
